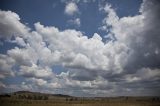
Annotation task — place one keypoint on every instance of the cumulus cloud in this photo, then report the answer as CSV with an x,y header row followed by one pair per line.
x,y
78,51
6,64
21,56
75,22
143,74
2,85
35,71
20,41
94,67
10,20
137,32
71,8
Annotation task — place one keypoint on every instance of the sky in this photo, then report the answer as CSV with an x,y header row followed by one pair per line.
x,y
80,47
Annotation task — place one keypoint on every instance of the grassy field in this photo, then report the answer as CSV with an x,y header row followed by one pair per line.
x,y
62,102
38,99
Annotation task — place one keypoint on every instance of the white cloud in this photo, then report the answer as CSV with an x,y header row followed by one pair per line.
x,y
147,73
10,20
44,84
2,86
22,56
71,8
112,17
75,22
38,82
36,72
20,41
6,64
136,32
79,60
143,74
74,44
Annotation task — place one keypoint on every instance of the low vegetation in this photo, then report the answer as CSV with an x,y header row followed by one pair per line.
x,y
25,98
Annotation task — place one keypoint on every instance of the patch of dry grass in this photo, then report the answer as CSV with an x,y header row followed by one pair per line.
x,y
62,102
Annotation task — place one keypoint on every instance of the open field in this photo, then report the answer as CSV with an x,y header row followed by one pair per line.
x,y
79,103
16,102
39,99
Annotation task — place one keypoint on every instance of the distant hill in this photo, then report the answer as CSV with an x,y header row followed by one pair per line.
x,y
34,95
45,96
39,93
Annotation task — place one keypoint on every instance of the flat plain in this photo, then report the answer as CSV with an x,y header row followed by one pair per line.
x,y
40,99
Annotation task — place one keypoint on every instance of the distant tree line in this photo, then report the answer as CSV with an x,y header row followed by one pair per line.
x,y
33,97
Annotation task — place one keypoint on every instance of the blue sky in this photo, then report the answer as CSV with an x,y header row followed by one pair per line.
x,y
51,13
46,43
